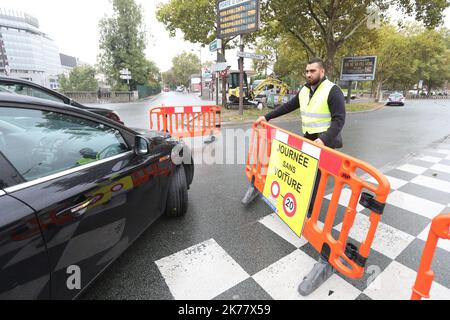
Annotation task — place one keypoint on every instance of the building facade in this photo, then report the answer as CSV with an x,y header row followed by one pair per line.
x,y
26,52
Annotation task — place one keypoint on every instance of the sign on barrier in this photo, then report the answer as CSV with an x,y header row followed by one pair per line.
x,y
346,257
290,180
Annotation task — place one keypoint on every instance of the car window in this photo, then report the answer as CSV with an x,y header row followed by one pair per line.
x,y
40,143
25,90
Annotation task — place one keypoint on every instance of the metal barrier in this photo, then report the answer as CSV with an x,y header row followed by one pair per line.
x,y
187,122
440,229
344,257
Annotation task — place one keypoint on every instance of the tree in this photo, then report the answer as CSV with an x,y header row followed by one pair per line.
x,y
323,27
184,66
432,58
197,21
122,45
81,78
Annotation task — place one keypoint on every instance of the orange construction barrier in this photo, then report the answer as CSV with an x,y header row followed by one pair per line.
x,y
344,257
440,228
187,122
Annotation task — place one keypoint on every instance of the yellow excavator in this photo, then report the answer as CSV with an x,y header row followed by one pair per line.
x,y
271,85
257,95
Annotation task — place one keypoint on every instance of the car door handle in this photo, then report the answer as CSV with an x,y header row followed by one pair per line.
x,y
78,210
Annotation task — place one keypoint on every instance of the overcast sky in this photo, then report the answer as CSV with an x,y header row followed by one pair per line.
x,y
73,24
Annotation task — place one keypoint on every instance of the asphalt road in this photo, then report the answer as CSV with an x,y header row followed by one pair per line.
x,y
383,138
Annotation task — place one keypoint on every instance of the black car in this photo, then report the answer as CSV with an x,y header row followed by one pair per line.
x,y
76,190
31,89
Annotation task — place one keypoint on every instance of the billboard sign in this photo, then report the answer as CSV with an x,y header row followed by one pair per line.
x,y
359,68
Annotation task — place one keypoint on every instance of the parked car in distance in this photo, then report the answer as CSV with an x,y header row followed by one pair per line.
x,y
28,88
76,190
396,99
166,89
180,89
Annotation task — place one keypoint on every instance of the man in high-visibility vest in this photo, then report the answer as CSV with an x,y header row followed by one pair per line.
x,y
322,106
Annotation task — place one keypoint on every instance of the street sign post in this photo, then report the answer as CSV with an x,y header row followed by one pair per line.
x,y
125,74
237,18
216,45
248,55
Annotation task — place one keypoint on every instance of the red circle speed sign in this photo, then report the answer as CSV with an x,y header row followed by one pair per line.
x,y
275,189
290,205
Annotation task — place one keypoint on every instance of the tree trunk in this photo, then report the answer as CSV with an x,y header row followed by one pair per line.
x,y
378,91
329,62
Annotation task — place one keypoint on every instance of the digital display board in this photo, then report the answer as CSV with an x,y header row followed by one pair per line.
x,y
236,17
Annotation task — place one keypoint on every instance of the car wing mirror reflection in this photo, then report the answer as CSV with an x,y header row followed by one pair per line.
x,y
141,146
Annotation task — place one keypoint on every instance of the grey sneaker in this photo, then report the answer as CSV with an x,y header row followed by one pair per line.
x,y
321,272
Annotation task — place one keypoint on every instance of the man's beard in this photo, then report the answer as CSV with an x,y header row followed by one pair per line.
x,y
314,82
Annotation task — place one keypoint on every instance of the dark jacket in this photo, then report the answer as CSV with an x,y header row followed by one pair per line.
x,y
336,101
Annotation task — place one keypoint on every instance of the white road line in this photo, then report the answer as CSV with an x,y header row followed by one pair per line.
x,y
412,169
201,272
423,207
436,184
388,240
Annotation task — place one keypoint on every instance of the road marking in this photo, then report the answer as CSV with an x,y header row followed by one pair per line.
x,y
279,227
443,244
281,280
344,199
388,240
444,151
201,272
441,167
423,207
432,183
396,283
412,169
430,159
395,182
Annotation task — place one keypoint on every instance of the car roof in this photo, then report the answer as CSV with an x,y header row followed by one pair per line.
x,y
19,98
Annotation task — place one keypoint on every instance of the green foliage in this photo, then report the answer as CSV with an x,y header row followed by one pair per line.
x,y
81,78
183,66
323,27
196,19
122,45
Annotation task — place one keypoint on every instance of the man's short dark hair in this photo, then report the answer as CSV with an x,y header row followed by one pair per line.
x,y
318,61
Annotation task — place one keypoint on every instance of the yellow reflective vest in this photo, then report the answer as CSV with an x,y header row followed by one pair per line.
x,y
316,116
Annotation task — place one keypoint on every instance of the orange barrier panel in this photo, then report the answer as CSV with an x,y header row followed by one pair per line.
x,y
440,228
187,122
344,257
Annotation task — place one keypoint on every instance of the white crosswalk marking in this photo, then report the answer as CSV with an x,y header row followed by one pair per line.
x,y
201,272
396,283
443,244
281,280
430,159
412,169
388,240
432,183
415,204
395,182
274,223
441,167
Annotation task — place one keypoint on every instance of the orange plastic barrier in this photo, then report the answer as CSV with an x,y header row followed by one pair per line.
x,y
440,228
344,257
187,122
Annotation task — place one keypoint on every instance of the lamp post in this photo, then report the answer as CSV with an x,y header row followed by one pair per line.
x,y
201,71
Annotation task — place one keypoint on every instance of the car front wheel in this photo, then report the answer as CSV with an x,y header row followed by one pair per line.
x,y
177,199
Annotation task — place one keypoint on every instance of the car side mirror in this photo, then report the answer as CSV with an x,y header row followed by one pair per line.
x,y
141,146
